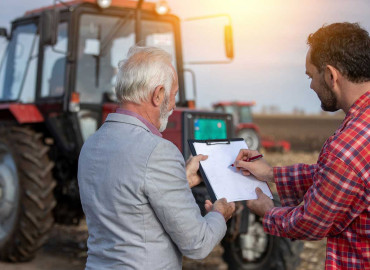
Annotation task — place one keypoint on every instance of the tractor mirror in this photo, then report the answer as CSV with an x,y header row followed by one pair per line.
x,y
208,40
3,32
229,43
49,27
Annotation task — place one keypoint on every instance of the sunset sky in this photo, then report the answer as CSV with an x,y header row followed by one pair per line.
x,y
269,41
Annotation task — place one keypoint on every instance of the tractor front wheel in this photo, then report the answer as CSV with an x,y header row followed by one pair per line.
x,y
251,138
253,249
26,193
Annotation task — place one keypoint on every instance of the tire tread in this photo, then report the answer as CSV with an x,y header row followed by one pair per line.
x,y
35,218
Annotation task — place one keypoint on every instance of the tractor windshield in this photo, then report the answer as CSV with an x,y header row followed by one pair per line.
x,y
246,114
103,42
19,64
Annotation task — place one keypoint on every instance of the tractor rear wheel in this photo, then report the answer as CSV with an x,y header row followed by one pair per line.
x,y
26,193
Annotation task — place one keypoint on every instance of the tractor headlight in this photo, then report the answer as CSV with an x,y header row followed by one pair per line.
x,y
104,3
162,7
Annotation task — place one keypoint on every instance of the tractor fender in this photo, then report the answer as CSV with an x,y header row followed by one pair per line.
x,y
247,125
23,113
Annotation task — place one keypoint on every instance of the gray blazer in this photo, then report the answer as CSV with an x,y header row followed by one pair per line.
x,y
139,209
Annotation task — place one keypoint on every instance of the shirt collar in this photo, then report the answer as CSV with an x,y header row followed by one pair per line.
x,y
361,102
149,125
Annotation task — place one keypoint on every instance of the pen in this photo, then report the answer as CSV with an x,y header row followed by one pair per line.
x,y
250,159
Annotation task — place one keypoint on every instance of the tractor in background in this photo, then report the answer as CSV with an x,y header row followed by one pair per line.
x,y
245,127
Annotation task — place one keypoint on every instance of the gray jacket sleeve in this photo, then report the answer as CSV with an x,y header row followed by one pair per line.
x,y
170,196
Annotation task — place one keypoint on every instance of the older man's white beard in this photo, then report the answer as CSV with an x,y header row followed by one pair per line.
x,y
164,120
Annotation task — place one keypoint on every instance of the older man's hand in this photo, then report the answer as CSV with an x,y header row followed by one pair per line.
x,y
192,167
262,205
222,206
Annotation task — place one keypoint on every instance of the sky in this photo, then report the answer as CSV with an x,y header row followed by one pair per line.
x,y
269,45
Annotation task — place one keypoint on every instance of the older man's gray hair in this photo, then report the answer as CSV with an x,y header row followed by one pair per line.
x,y
144,69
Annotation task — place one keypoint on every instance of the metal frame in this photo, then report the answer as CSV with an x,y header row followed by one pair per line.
x,y
205,18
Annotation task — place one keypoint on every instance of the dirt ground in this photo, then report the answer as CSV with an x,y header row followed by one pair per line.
x,y
66,249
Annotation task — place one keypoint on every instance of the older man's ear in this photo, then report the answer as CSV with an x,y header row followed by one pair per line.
x,y
158,95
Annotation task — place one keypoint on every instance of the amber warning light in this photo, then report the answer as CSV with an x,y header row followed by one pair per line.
x,y
74,103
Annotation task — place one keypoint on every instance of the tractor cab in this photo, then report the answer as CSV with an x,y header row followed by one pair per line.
x,y
243,121
64,58
241,111
62,61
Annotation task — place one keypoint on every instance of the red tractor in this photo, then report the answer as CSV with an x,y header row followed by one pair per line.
x,y
56,88
245,128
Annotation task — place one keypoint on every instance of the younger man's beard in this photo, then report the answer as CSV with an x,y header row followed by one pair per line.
x,y
328,100
164,114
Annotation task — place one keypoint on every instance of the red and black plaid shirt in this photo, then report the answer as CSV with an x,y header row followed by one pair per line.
x,y
335,194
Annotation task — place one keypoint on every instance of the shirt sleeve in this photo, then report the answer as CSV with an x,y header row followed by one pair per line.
x,y
170,196
293,181
336,197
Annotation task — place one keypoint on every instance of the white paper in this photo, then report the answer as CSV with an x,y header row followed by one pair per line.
x,y
225,181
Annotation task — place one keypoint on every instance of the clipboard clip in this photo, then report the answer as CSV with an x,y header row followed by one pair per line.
x,y
212,142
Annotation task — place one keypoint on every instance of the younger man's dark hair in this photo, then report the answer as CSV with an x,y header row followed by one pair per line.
x,y
345,46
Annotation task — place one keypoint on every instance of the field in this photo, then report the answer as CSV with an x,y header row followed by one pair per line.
x,y
305,133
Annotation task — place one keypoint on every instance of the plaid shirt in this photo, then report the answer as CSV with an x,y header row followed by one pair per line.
x,y
335,193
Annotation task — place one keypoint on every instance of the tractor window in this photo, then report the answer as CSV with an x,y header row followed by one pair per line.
x,y
234,111
3,45
219,109
230,109
19,61
160,34
54,63
103,42
29,86
246,114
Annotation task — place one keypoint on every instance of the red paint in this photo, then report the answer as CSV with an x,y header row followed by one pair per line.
x,y
174,132
270,144
23,113
107,109
234,103
245,126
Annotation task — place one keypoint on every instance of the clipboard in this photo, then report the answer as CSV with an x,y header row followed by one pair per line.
x,y
222,153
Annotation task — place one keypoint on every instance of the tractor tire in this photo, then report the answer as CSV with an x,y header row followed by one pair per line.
x,y
251,138
26,193
256,250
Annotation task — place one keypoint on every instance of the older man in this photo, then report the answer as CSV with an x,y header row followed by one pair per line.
x,y
336,191
135,190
